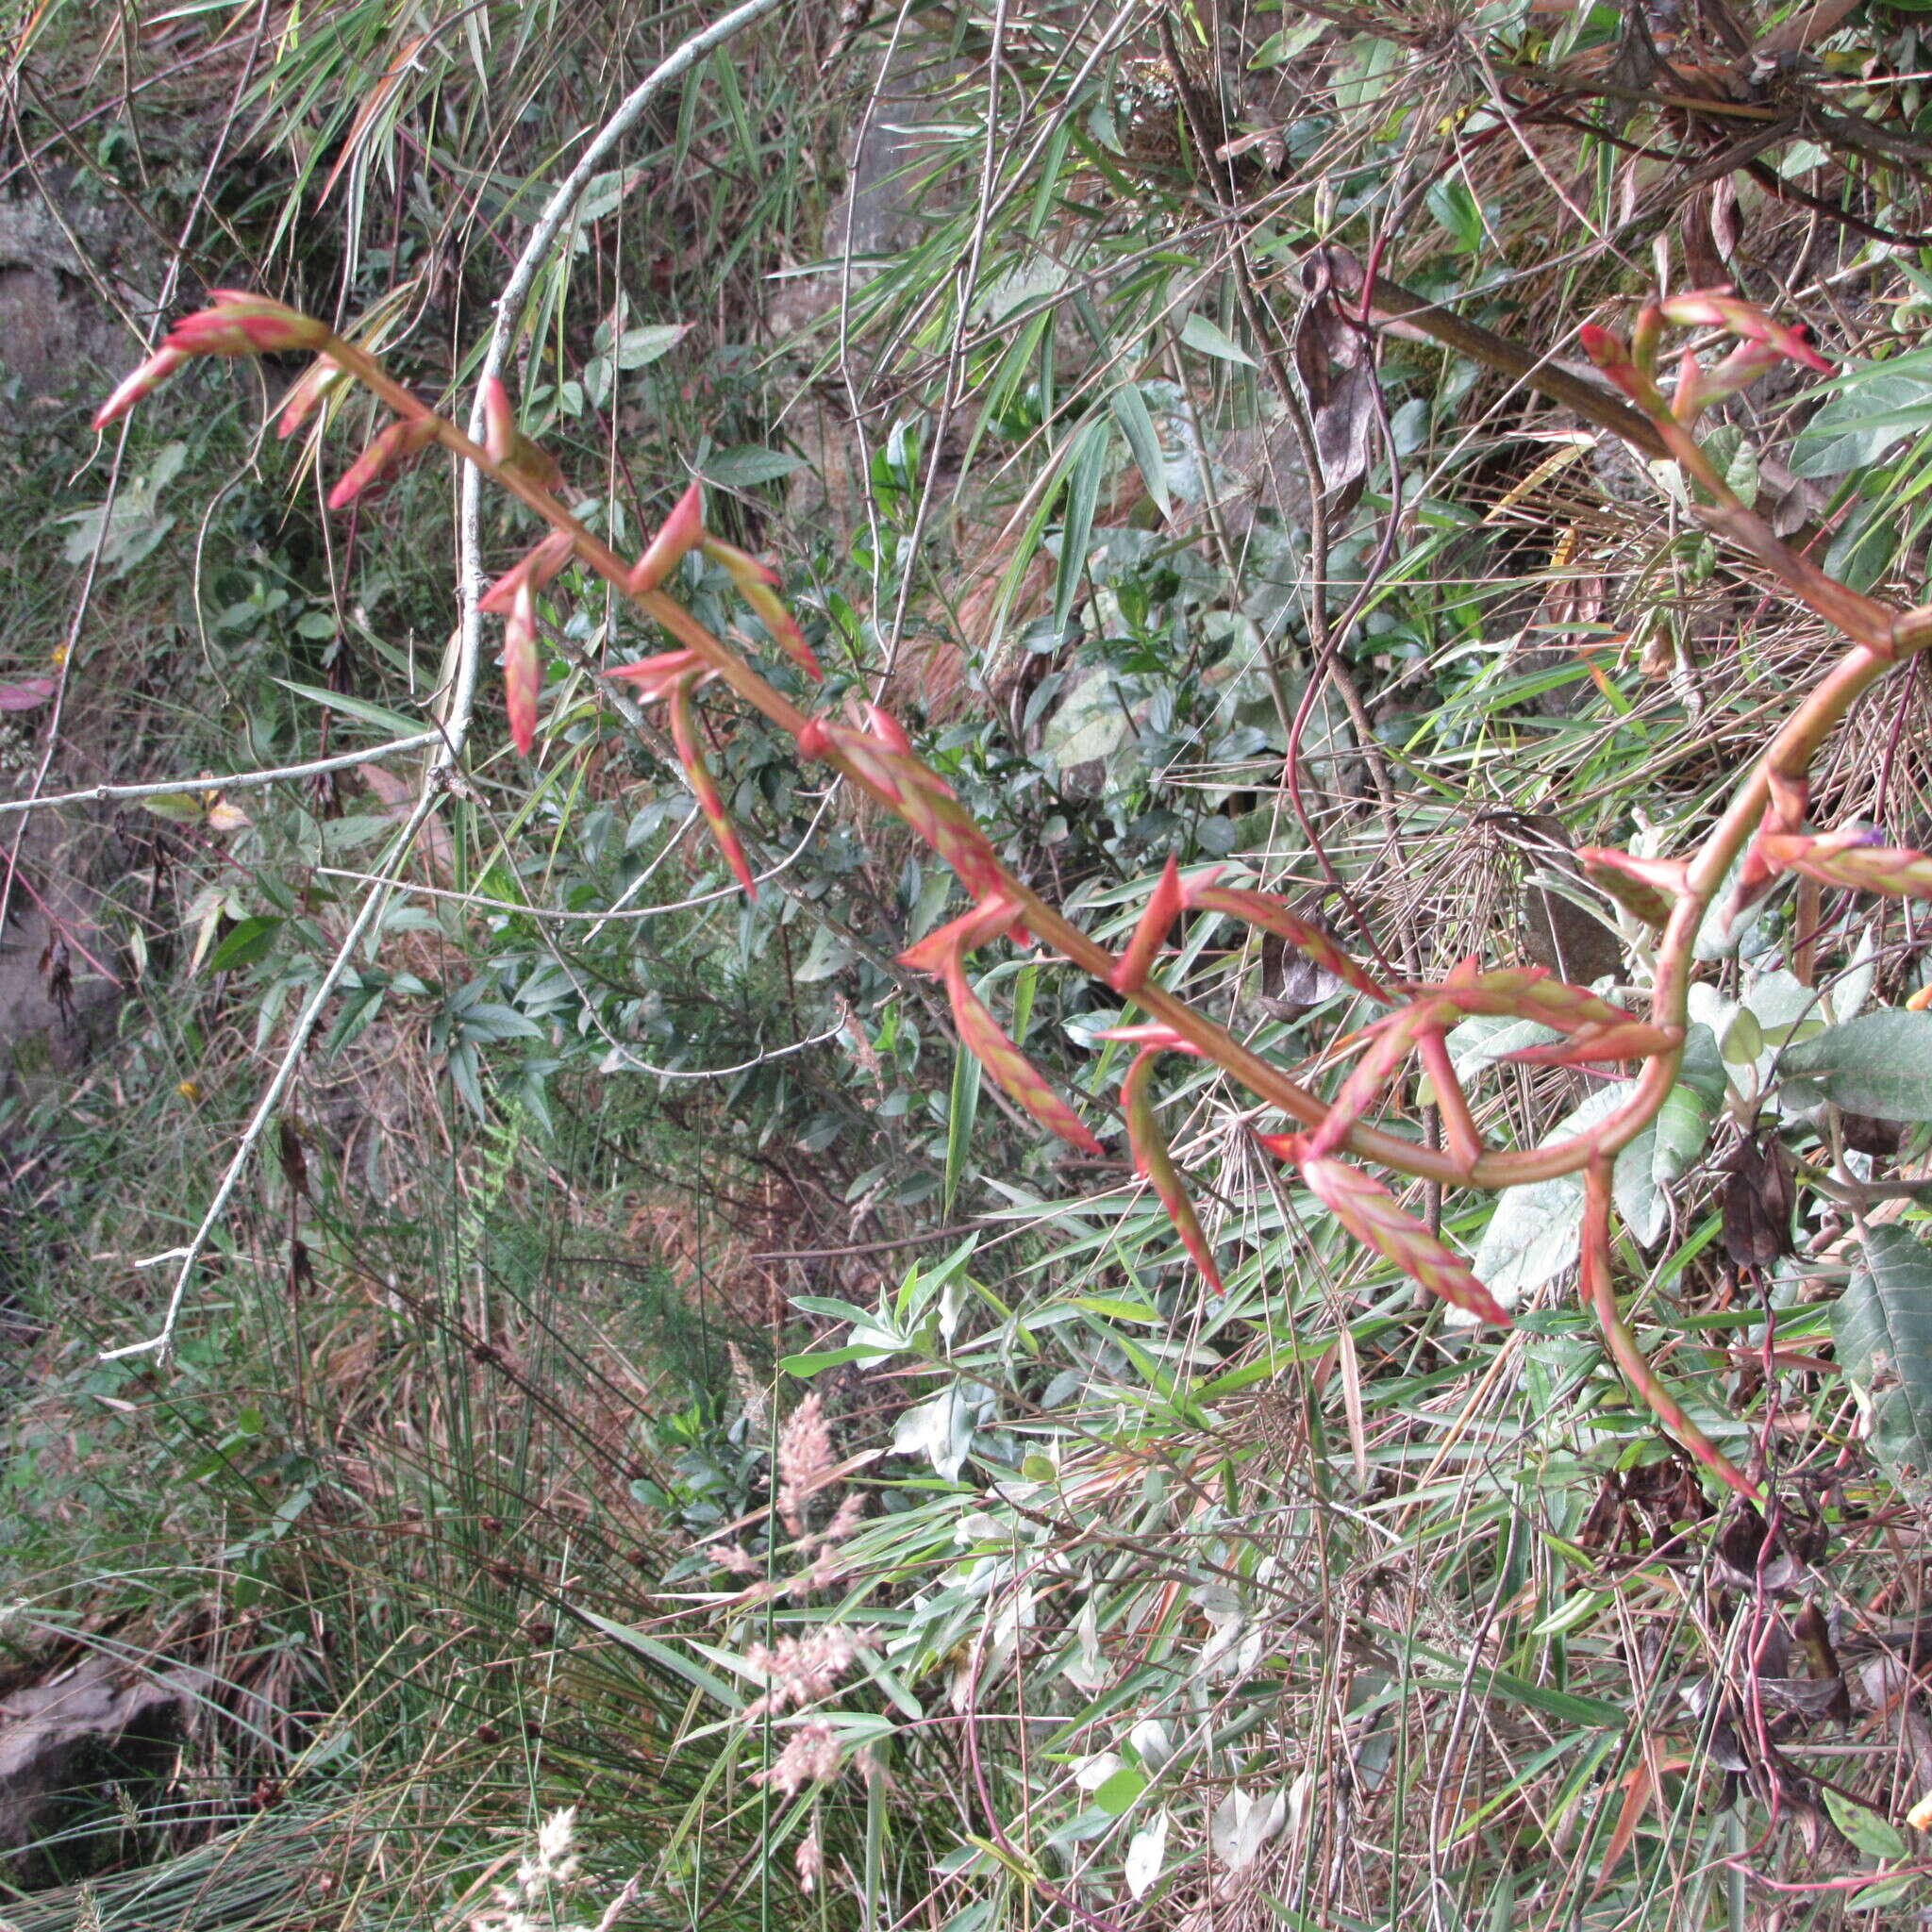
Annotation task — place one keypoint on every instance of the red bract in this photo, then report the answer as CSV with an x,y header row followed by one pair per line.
x,y
943,954
655,677
1634,1039
523,674
1851,858
1152,1034
756,585
1272,915
1156,1166
144,381
499,419
704,787
918,796
682,532
744,566
1163,909
1523,993
1649,887
506,444
240,323
1610,354
1371,1214
1390,1044
322,376
784,628
394,447
536,568
1698,388
1719,309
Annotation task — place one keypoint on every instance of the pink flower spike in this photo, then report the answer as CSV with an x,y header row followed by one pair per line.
x,y
683,736
683,532
536,568
1163,909
307,391
744,566
144,381
1719,309
240,323
383,457
1154,1035
522,675
656,677
499,420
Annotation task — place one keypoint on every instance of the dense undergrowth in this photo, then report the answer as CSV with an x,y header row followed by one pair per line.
x,y
638,1301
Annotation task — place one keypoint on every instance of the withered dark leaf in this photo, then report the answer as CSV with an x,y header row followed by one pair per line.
x,y
1864,1134
1758,1201
294,1164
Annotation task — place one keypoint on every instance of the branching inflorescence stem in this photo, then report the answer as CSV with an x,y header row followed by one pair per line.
x,y
1764,824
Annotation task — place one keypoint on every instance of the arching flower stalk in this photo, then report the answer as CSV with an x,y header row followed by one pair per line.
x,y
1764,823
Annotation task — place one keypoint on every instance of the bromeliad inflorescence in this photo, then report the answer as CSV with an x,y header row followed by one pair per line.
x,y
1764,826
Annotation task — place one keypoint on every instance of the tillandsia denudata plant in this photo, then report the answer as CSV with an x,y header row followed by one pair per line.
x,y
1763,831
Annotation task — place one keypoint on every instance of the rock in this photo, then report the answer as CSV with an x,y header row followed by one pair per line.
x,y
56,329
74,1754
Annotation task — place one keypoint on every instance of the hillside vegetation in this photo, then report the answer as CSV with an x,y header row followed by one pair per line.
x,y
1115,1115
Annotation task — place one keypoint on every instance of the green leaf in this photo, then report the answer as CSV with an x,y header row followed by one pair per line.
x,y
807,1366
1121,1790
1856,428
638,347
748,465
1873,1835
1084,472
1459,213
1537,1231
1882,1328
1880,1064
1202,335
1136,425
177,807
249,942
1887,1891
391,722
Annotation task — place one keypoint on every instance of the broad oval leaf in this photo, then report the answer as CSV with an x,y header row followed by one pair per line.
x,y
1882,1326
1536,1231
1856,427
1880,1064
